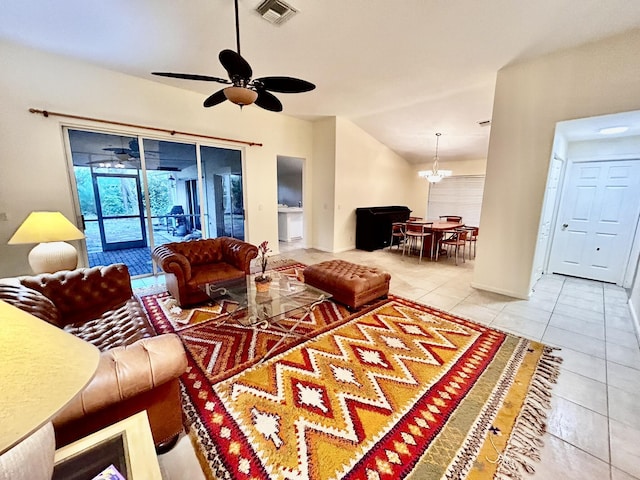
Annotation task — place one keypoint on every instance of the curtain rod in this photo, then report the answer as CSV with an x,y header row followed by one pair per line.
x,y
47,114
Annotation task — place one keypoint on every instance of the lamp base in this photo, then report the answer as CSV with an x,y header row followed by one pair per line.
x,y
51,257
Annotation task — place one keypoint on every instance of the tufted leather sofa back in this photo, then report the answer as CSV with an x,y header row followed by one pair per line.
x,y
85,293
200,252
30,301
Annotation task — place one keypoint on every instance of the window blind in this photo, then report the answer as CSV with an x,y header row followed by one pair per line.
x,y
460,195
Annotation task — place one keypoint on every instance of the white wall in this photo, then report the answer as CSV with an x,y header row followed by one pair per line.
x,y
594,79
323,183
367,174
33,167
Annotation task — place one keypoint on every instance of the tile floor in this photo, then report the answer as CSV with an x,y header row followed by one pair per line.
x,y
594,424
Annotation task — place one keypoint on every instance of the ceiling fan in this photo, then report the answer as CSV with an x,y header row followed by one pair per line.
x,y
124,154
244,90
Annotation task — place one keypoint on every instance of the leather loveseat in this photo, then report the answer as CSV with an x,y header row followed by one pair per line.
x,y
137,370
188,265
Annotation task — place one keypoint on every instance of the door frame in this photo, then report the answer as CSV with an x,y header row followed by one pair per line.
x,y
631,264
106,246
142,134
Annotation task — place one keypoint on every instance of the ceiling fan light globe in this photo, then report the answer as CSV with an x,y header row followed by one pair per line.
x,y
240,95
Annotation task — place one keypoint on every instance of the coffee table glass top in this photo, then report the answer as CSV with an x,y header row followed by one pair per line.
x,y
286,294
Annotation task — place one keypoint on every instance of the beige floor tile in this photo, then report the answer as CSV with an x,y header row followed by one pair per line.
x,y
617,474
544,304
618,310
584,391
180,462
412,293
624,407
545,296
562,461
583,364
582,285
519,325
620,337
629,357
578,325
577,312
440,301
489,300
551,286
615,297
625,454
587,302
581,427
475,313
582,343
624,378
620,322
527,311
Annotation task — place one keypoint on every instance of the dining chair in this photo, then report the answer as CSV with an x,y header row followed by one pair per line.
x,y
472,236
417,231
451,218
457,240
415,219
397,234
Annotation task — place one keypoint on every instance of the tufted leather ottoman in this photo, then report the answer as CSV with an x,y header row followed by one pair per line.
x,y
349,283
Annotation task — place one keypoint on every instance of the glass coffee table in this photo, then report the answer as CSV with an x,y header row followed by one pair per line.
x,y
286,295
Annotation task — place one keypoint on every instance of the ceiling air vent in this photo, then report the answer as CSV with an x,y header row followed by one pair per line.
x,y
276,11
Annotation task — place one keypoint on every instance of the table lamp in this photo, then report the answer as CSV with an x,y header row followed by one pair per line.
x,y
42,369
49,230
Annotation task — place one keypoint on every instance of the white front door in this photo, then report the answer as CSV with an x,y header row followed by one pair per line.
x,y
596,220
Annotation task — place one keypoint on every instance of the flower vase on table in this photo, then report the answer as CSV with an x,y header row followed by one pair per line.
x,y
263,281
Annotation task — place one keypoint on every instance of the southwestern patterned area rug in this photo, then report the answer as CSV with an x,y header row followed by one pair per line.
x,y
398,390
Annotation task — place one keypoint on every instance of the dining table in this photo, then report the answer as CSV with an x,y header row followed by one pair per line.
x,y
438,229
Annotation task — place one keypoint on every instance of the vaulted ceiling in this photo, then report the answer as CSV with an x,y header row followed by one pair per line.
x,y
401,70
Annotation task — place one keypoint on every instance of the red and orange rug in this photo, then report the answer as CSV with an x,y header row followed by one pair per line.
x,y
397,391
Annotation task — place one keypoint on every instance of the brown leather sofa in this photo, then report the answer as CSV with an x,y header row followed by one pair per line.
x,y
188,265
137,370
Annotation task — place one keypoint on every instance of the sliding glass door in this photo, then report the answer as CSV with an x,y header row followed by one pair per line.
x,y
136,193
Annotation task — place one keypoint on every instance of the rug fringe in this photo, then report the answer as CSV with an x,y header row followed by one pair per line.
x,y
525,443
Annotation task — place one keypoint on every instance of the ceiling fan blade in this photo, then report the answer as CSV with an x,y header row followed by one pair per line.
x,y
285,84
191,76
235,65
117,150
268,101
215,99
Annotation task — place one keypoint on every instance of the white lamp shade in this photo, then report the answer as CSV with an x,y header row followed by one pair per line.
x,y
50,230
42,369
45,227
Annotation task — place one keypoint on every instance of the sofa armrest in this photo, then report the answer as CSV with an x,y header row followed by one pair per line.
x,y
238,253
172,262
124,372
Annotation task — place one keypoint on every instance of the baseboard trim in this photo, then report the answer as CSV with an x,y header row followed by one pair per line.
x,y
636,320
501,291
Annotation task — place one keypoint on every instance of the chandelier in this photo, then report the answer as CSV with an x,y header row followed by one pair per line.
x,y
435,174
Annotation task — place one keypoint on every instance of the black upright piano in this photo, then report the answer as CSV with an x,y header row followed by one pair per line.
x,y
373,225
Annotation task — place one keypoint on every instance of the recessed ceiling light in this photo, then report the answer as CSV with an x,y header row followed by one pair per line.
x,y
612,130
